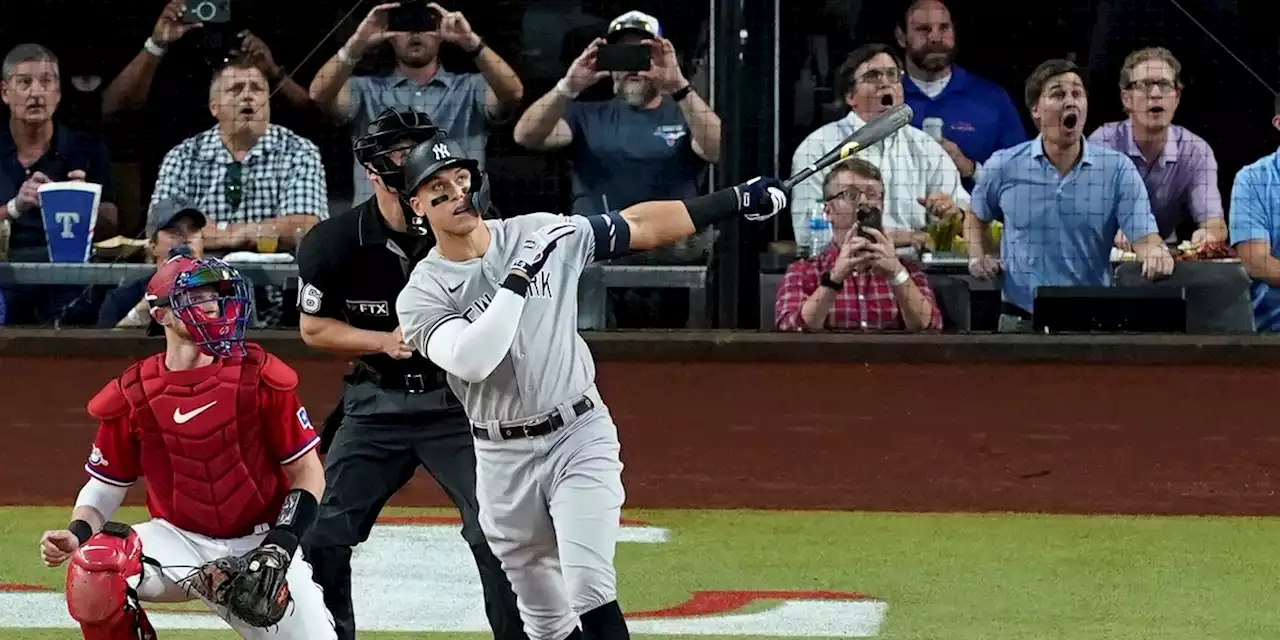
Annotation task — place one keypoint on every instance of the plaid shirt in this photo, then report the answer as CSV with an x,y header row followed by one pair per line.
x,y
281,175
866,300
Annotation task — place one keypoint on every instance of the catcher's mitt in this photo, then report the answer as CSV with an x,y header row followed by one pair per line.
x,y
251,587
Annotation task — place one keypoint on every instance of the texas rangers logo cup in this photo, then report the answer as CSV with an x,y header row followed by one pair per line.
x,y
70,212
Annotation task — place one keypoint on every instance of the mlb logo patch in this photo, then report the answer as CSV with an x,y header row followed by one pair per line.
x,y
303,419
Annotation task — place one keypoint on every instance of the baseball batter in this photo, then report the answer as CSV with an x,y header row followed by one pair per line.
x,y
227,449
495,305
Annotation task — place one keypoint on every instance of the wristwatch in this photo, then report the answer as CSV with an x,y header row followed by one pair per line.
x,y
827,282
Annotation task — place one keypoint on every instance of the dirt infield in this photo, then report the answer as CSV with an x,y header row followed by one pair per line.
x,y
1053,438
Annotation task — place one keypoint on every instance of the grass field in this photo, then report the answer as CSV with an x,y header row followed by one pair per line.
x,y
955,577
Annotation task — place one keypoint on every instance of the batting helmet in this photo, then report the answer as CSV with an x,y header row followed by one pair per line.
x,y
434,156
385,134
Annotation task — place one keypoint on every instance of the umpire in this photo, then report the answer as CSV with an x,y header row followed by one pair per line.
x,y
396,410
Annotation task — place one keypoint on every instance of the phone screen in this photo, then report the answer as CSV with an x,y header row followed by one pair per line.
x,y
623,57
411,17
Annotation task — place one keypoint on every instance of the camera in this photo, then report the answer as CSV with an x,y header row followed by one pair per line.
x,y
623,57
215,11
413,16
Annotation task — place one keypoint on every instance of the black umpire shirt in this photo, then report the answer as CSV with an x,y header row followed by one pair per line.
x,y
352,268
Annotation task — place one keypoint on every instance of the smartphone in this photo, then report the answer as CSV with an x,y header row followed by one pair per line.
x,y
623,57
413,16
870,219
209,11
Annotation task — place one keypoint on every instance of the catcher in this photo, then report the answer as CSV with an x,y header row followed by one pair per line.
x,y
215,426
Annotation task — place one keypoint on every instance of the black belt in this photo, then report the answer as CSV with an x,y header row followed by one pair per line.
x,y
411,382
1009,308
553,423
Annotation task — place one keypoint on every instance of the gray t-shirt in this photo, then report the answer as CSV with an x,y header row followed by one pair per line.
x,y
548,363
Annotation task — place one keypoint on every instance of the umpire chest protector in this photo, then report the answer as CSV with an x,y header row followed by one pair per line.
x,y
201,437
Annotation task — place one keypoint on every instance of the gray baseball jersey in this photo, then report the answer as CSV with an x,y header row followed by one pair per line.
x,y
549,363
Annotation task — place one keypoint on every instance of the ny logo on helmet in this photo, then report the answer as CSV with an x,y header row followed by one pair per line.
x,y
442,151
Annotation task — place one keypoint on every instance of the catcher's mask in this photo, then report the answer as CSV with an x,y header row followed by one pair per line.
x,y
434,156
393,130
209,297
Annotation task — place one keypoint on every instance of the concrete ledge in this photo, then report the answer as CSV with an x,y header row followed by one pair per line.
x,y
730,346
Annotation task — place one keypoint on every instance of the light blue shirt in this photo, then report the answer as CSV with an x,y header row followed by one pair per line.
x,y
1255,215
1059,230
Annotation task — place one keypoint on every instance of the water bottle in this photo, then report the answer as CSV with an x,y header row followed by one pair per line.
x,y
819,230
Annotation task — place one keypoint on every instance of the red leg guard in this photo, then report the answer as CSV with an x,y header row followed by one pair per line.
x,y
98,597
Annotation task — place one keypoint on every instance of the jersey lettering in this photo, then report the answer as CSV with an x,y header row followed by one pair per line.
x,y
540,286
309,297
473,312
370,307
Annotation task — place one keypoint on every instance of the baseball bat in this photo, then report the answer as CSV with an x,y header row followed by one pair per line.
x,y
879,128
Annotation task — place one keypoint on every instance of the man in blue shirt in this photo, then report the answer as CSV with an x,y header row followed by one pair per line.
x,y
972,116
1253,226
1061,200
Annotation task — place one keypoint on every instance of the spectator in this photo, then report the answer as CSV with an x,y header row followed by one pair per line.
x,y
855,283
462,105
251,178
174,226
1061,200
129,90
652,141
1255,228
1179,167
35,150
914,166
978,117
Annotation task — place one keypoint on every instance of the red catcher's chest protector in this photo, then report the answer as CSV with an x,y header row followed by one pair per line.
x,y
202,449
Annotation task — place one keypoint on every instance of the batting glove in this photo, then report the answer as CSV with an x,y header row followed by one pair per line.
x,y
761,198
535,251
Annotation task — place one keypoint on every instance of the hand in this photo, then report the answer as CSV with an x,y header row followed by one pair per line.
x,y
455,28
879,256
372,30
1157,263
28,194
761,198
850,245
57,546
984,268
535,251
963,163
582,74
664,71
170,27
256,50
939,206
394,345
1122,243
1203,236
76,175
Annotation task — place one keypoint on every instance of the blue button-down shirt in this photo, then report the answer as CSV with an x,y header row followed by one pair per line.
x,y
1059,230
454,101
1255,215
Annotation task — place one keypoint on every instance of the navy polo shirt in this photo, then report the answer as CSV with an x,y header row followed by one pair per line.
x,y
977,114
68,151
630,155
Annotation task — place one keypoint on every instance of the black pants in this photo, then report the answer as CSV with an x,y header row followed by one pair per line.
x,y
382,441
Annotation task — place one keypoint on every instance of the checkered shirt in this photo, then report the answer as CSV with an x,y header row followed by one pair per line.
x,y
865,302
281,175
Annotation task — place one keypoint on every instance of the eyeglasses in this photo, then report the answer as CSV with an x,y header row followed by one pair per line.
x,y
235,185
876,76
852,194
1149,84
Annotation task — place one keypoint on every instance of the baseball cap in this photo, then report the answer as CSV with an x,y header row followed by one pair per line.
x,y
637,22
161,284
162,214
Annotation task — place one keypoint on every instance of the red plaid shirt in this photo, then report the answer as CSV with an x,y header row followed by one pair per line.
x,y
866,300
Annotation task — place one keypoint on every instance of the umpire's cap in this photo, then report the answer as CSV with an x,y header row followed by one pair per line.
x,y
434,156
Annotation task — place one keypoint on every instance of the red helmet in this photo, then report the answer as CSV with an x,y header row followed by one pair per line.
x,y
188,286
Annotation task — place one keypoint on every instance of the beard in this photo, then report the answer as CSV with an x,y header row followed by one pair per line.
x,y
929,60
636,92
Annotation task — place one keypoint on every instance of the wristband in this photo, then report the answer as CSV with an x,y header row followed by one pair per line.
x,y
297,514
900,278
562,88
707,210
475,53
12,207
681,94
345,58
153,48
516,284
829,282
81,530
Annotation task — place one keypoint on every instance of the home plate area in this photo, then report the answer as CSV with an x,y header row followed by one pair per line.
x,y
417,574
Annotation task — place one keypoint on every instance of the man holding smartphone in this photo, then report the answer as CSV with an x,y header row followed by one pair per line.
x,y
462,104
